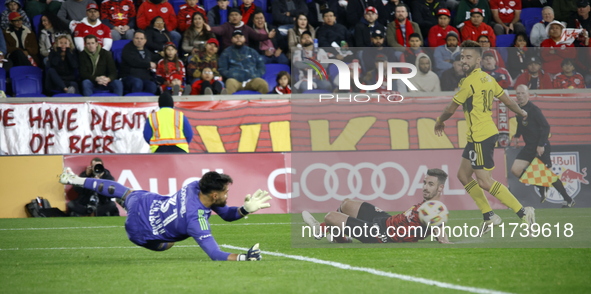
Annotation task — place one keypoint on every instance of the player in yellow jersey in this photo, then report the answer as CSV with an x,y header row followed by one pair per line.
x,y
476,93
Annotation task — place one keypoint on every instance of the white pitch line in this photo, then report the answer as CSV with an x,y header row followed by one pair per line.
x,y
108,227
377,272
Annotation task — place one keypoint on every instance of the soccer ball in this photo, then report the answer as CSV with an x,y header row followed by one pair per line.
x,y
432,213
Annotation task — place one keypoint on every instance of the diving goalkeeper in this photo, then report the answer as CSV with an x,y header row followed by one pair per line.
x,y
156,222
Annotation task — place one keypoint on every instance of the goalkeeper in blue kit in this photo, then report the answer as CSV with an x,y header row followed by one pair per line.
x,y
156,222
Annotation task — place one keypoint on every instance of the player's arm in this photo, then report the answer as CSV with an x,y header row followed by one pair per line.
x,y
447,113
512,105
211,248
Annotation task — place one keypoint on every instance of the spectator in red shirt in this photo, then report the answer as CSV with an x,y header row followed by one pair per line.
x,y
552,51
119,16
506,15
91,25
500,74
186,13
568,78
438,33
535,78
475,27
152,8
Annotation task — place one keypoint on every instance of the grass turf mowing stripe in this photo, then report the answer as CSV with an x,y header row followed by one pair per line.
x,y
108,227
376,272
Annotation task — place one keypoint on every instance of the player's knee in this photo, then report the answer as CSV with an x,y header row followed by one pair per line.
x,y
485,184
344,205
516,171
330,218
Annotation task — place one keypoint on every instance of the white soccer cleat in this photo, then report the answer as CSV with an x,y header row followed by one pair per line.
x,y
314,225
486,226
70,178
530,215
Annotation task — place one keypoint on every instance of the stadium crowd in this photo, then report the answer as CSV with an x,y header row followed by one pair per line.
x,y
222,47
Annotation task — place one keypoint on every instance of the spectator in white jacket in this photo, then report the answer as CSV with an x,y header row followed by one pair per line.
x,y
538,32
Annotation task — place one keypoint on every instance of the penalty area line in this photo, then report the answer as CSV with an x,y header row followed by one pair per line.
x,y
376,272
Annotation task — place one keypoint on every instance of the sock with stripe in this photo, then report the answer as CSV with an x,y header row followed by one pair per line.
x,y
477,195
106,187
502,193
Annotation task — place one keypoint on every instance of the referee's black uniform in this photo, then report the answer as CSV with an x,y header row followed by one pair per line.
x,y
535,131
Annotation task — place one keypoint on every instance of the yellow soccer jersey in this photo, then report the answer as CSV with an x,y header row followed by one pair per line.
x,y
476,94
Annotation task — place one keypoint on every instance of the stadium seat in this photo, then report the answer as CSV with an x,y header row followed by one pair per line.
x,y
209,4
530,16
27,81
271,71
140,94
36,24
2,79
117,49
316,91
176,4
67,95
246,92
104,94
505,40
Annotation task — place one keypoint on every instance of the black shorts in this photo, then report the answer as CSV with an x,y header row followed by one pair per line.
x,y
481,154
528,153
373,216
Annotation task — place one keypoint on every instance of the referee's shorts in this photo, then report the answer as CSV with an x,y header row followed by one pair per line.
x,y
481,154
529,152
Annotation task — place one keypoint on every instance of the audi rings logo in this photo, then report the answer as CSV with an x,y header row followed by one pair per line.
x,y
354,181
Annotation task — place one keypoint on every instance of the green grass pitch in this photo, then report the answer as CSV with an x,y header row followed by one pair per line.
x,y
83,255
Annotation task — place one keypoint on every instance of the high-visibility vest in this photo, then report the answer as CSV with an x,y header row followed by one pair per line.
x,y
167,129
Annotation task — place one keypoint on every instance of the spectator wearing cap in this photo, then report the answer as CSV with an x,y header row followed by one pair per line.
x,y
582,21
162,8
565,10
500,74
506,15
425,80
538,32
451,77
268,49
242,67
136,66
439,32
206,57
218,14
368,55
568,78
97,69
534,77
444,55
13,6
73,11
170,71
552,53
333,35
119,16
306,50
355,10
475,27
285,12
424,12
465,8
91,25
196,35
157,35
294,34
363,30
21,44
187,13
401,28
226,30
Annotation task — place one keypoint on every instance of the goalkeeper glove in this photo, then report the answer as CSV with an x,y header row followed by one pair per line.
x,y
260,199
254,254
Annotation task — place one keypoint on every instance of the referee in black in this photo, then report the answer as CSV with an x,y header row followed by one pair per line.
x,y
535,131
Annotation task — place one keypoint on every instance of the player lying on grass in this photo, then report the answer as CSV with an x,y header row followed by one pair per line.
x,y
352,213
156,222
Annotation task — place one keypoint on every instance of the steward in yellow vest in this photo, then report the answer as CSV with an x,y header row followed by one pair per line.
x,y
168,130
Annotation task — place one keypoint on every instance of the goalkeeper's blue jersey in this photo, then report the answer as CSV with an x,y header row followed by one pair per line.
x,y
174,218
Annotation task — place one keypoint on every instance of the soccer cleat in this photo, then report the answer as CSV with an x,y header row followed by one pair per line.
x,y
486,226
543,194
314,225
70,178
568,204
332,239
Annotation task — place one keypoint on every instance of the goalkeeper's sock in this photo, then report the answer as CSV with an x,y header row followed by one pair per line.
x,y
560,188
488,215
478,195
502,193
106,187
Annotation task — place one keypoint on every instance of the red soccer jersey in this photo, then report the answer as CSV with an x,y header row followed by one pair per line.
x,y
101,32
553,53
471,32
173,72
149,11
502,76
408,219
575,81
437,35
185,16
118,12
506,8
